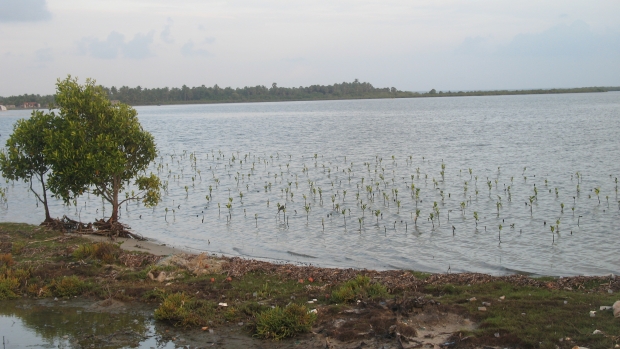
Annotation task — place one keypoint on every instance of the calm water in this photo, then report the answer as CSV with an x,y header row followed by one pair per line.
x,y
519,142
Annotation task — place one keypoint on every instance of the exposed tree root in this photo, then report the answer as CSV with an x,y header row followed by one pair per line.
x,y
99,227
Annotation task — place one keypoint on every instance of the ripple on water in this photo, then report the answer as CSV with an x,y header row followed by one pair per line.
x,y
520,141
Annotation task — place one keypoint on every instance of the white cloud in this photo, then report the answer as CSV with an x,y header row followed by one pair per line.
x,y
44,55
24,11
189,50
574,40
165,34
115,45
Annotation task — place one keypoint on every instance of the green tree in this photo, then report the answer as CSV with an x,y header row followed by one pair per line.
x,y
99,147
24,159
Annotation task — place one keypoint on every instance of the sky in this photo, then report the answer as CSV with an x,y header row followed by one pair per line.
x,y
411,45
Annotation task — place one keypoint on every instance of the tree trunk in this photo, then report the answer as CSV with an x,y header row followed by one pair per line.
x,y
115,190
48,218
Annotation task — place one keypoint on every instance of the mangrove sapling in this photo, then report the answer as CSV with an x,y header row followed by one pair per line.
x,y
415,220
532,198
377,213
431,216
307,208
500,234
476,218
166,215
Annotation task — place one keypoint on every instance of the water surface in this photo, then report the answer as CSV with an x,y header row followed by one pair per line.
x,y
521,142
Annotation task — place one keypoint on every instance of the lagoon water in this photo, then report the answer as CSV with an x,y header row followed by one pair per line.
x,y
266,151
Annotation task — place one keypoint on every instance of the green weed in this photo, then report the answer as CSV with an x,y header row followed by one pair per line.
x,y
279,323
68,286
359,288
184,311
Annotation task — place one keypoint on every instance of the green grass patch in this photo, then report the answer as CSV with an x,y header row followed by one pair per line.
x,y
534,317
183,310
279,323
69,286
359,288
103,251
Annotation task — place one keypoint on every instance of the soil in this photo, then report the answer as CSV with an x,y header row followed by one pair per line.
x,y
412,319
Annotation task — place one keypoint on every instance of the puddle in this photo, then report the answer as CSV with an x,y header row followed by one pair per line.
x,y
107,324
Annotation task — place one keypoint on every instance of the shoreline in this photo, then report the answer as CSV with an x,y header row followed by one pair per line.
x,y
413,95
228,295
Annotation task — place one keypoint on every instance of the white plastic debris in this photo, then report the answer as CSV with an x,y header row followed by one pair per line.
x,y
223,304
592,313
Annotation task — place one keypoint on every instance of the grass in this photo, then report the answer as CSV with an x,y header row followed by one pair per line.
x,y
534,317
183,310
50,264
69,286
357,289
279,323
103,251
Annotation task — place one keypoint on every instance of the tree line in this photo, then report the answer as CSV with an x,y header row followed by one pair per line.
x,y
216,94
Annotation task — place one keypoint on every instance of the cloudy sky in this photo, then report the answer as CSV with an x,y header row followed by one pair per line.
x,y
412,45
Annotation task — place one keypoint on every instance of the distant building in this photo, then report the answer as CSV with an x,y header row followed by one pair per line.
x,y
31,105
10,106
2,108
115,101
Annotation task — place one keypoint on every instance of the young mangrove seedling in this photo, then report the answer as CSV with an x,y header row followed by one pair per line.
x,y
500,234
476,217
597,191
532,198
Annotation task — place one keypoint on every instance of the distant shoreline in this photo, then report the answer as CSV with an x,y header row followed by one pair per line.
x,y
234,97
421,95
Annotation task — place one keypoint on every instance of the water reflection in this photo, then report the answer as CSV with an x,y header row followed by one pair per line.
x,y
43,324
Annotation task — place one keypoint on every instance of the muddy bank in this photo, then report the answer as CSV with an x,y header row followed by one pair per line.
x,y
211,301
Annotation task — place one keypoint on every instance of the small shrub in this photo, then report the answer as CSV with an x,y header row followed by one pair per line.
x,y
84,251
279,323
104,251
37,290
68,286
9,286
10,282
17,248
6,259
184,311
358,288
